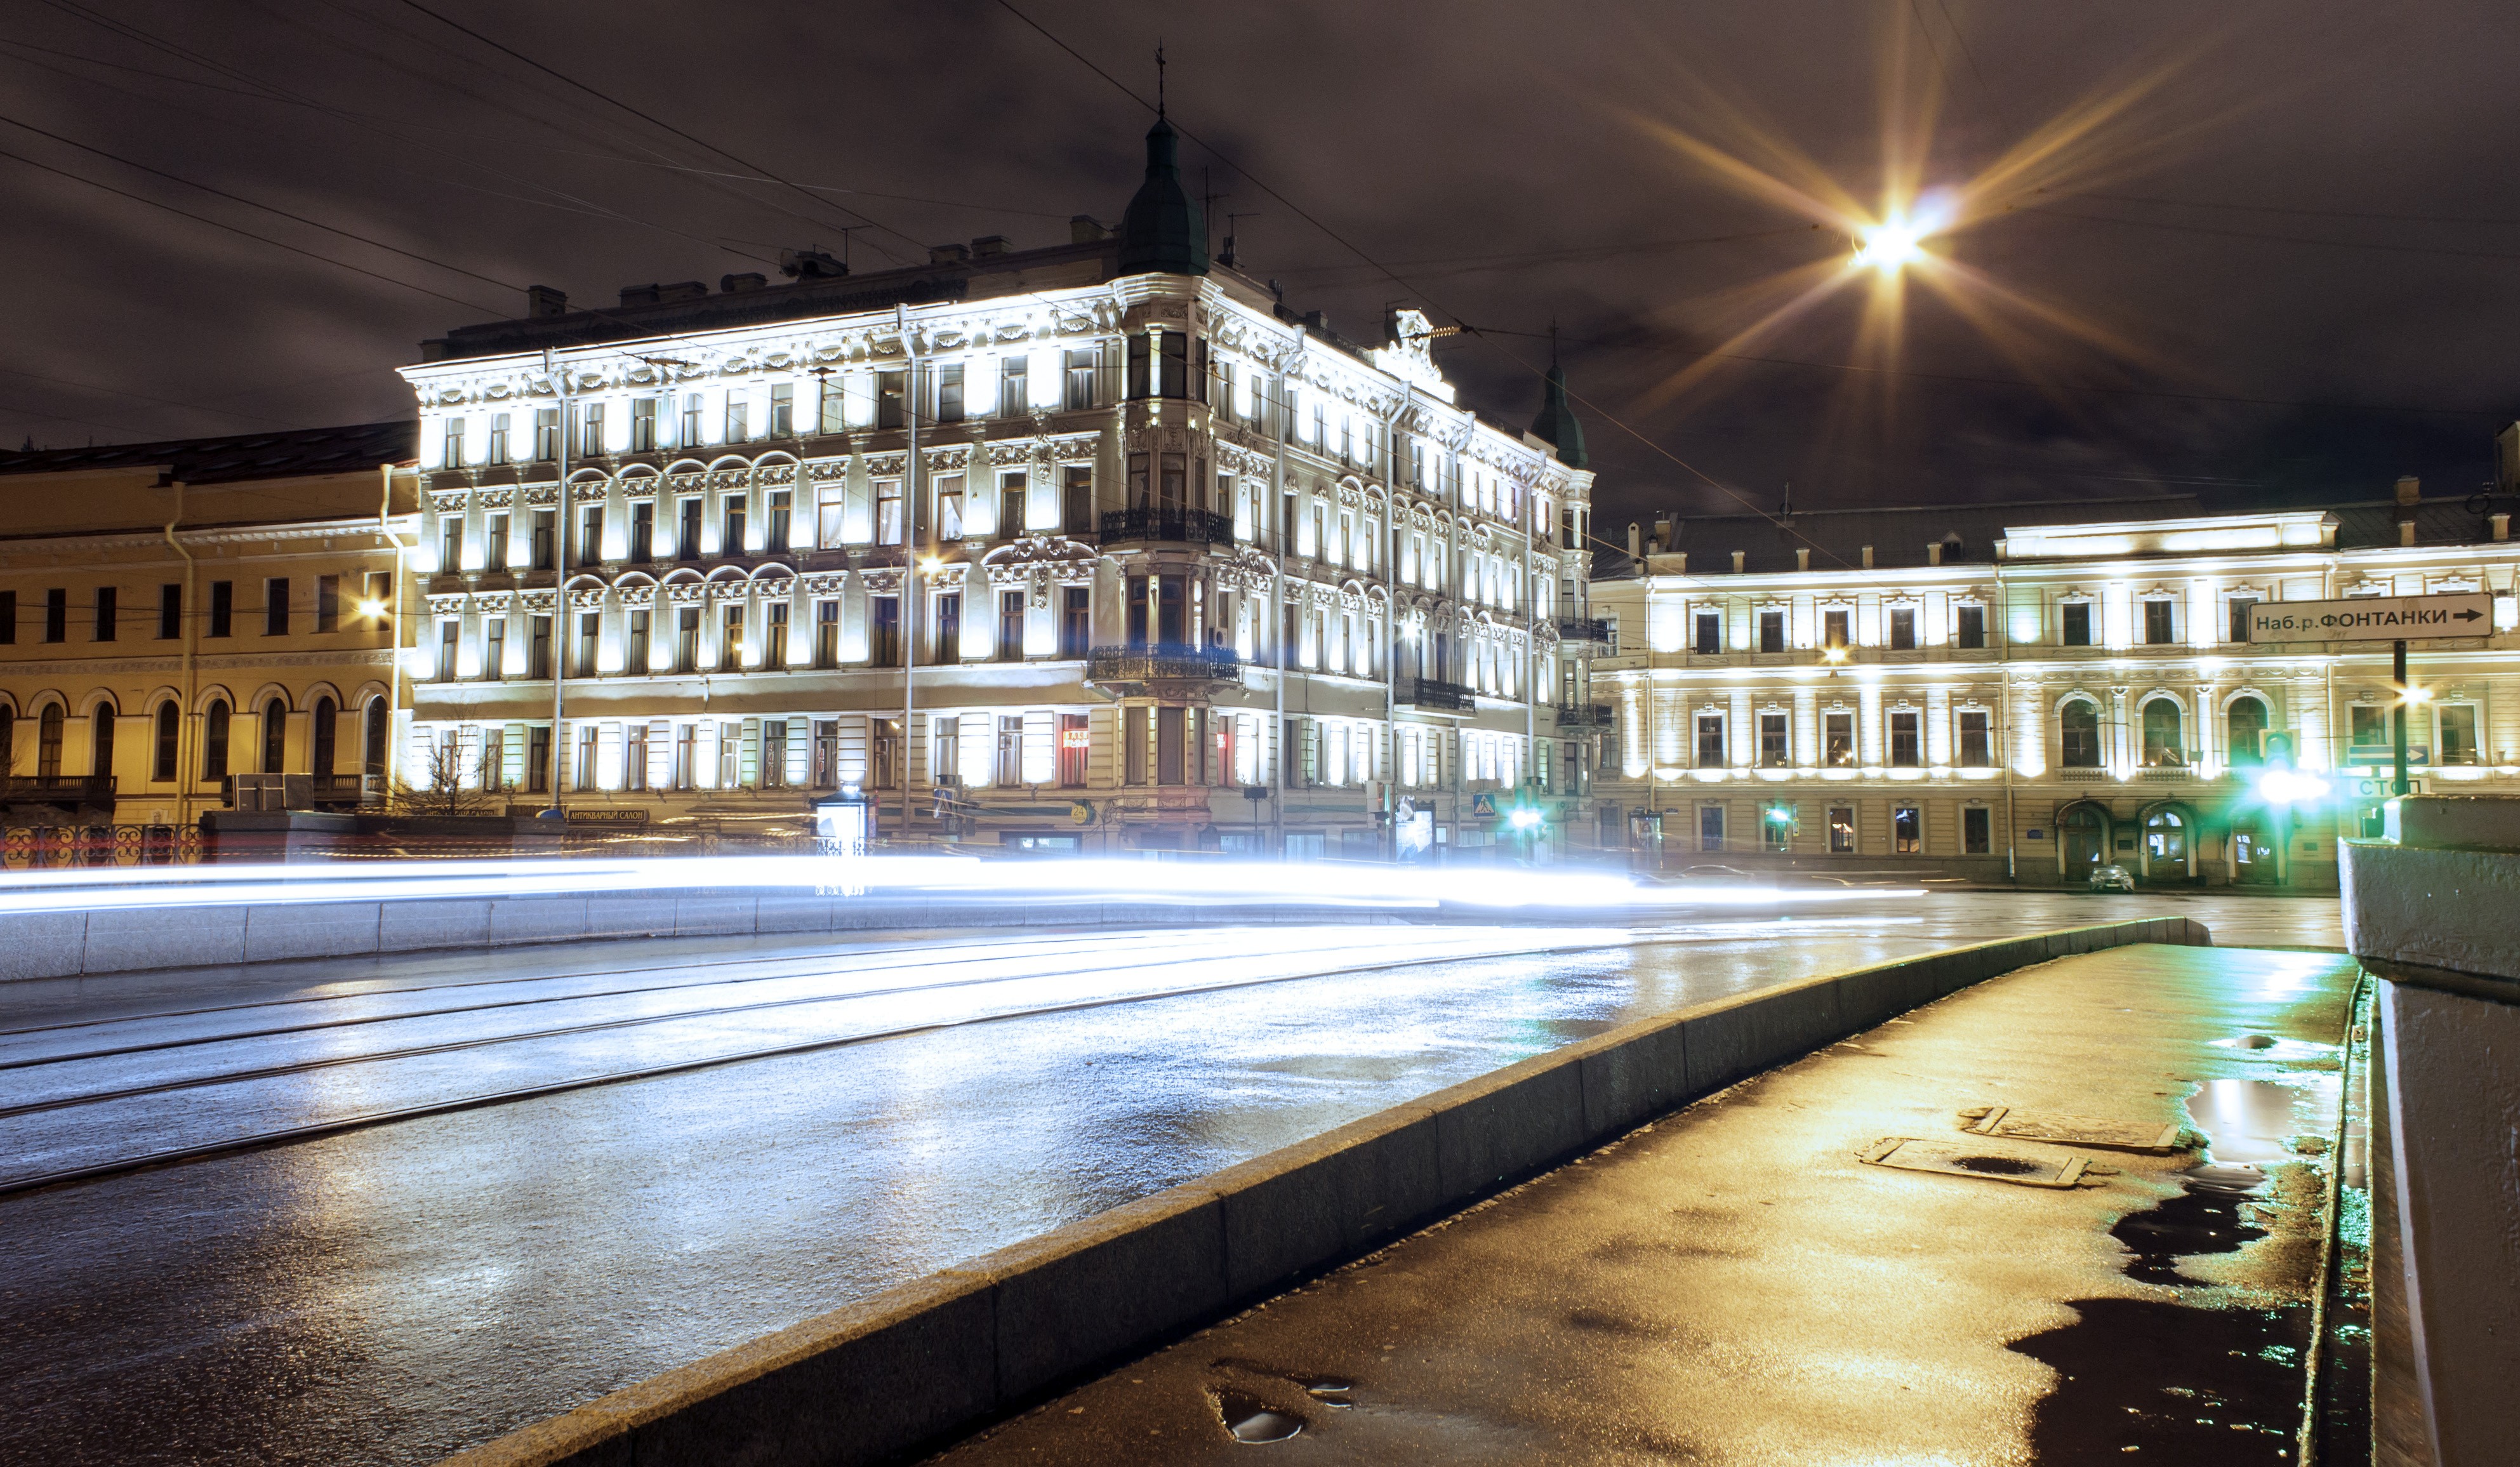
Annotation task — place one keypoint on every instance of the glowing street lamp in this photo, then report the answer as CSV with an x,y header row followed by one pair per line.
x,y
1889,247
2282,787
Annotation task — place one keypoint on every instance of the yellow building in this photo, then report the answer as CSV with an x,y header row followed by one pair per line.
x,y
2030,691
174,614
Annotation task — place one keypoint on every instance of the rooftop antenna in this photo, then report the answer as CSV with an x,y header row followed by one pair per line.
x,y
1225,256
1207,197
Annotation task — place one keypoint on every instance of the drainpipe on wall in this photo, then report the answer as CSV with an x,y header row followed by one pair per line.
x,y
393,646
184,786
1277,602
560,628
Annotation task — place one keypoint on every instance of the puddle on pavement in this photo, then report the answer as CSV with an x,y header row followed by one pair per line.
x,y
2251,1121
2169,1381
1251,1419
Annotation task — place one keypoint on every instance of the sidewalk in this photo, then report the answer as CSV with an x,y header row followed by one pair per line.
x,y
1736,1284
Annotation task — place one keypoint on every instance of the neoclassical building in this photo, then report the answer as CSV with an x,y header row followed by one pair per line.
x,y
2028,691
1089,546
174,614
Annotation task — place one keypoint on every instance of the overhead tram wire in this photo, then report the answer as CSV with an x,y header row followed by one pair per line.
x,y
253,203
263,91
376,119
655,121
247,233
1613,344
1396,278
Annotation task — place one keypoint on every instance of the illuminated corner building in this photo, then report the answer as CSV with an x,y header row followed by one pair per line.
x,y
1067,545
173,615
2037,688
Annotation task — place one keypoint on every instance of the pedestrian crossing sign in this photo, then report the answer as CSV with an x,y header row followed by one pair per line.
x,y
1483,806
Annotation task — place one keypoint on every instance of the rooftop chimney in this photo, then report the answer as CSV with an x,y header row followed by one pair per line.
x,y
1635,540
2410,492
751,280
1867,558
1802,558
1934,553
2501,520
542,301
810,264
1085,229
1736,560
989,244
1318,323
948,254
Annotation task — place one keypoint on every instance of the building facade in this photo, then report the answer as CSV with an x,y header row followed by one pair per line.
x,y
2028,691
176,614
1086,546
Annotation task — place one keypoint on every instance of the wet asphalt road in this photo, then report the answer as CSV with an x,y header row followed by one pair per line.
x,y
400,1290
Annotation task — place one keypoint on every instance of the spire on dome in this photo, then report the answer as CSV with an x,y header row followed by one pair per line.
x,y
1556,425
1164,229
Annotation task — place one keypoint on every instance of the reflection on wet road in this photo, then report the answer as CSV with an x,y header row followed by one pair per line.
x,y
614,1159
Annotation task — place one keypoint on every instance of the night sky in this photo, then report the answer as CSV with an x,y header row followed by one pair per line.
x,y
2286,263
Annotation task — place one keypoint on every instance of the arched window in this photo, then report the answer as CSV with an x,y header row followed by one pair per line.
x,y
2163,747
2078,731
275,736
376,732
100,738
170,727
8,741
325,732
48,744
2247,721
214,741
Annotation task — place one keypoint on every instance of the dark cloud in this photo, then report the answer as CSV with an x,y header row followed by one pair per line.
x,y
2312,221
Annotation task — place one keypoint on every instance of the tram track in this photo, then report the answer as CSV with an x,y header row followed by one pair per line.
x,y
341,1124
980,953
274,1072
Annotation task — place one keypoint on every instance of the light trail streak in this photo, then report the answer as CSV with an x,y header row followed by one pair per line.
x,y
1204,884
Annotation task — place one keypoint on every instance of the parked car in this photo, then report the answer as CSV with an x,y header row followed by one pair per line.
x,y
2113,878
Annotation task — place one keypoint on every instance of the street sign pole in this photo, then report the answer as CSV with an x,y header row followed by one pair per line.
x,y
2398,671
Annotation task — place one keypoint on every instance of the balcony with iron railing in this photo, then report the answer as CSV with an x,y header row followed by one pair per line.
x,y
1584,715
1584,629
1430,695
62,791
1162,663
1169,525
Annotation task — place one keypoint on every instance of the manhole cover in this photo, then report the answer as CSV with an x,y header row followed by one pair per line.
x,y
1952,1159
2073,1130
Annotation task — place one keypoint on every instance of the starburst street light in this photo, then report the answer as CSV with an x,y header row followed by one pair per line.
x,y
1903,235
1887,247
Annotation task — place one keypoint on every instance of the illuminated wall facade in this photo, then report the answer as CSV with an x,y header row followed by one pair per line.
x,y
1092,553
173,614
2036,688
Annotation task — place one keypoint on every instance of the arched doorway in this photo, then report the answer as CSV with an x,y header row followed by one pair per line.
x,y
100,738
2082,839
2257,847
275,737
48,742
214,741
327,729
2246,720
2168,843
170,728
